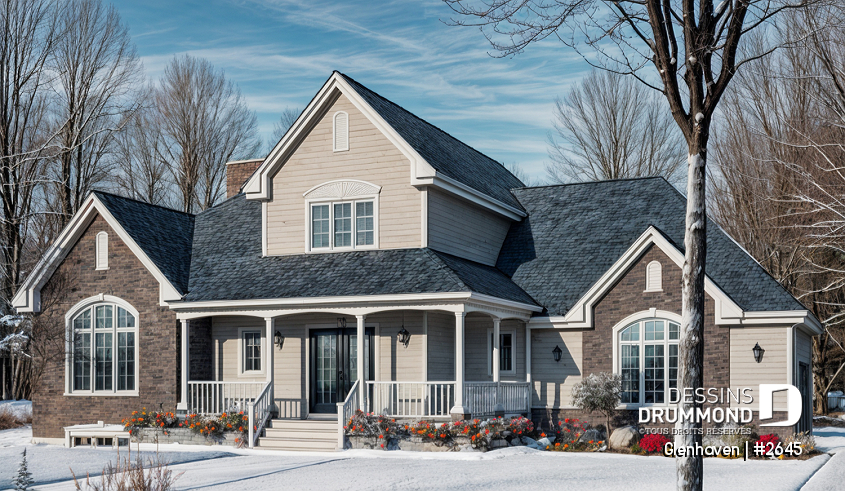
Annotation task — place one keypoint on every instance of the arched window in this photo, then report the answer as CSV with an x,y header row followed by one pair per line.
x,y
653,277
341,131
102,251
104,349
648,360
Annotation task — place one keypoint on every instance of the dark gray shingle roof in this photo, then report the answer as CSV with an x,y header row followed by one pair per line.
x,y
574,233
165,235
226,264
445,153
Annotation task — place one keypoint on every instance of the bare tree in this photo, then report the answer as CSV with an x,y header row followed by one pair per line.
x,y
97,72
282,126
28,36
205,123
141,172
611,127
691,49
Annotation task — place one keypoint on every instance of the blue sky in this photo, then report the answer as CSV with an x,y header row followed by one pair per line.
x,y
281,51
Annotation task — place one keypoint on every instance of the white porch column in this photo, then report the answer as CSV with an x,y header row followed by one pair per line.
x,y
269,369
362,383
459,411
527,354
499,408
186,359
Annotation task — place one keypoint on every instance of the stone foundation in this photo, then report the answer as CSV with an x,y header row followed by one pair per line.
x,y
182,436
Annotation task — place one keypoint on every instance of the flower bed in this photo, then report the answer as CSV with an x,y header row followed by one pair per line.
x,y
166,427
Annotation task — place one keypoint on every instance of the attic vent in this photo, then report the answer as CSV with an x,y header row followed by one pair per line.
x,y
102,252
653,277
341,131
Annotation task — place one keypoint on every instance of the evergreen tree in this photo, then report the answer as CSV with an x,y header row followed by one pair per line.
x,y
23,480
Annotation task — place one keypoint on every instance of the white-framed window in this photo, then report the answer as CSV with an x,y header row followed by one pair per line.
x,y
648,360
507,352
102,251
103,350
343,225
654,277
340,131
251,351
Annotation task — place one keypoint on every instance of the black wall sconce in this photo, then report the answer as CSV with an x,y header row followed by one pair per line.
x,y
278,339
403,336
341,322
758,352
557,352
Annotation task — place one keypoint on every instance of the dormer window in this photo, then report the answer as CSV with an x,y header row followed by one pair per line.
x,y
653,277
102,251
340,140
342,215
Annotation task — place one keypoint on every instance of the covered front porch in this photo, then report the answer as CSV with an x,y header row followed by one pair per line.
x,y
417,360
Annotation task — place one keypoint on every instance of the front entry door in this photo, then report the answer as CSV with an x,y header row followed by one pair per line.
x,y
334,366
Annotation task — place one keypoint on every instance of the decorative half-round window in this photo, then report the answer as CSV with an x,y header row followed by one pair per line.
x,y
104,349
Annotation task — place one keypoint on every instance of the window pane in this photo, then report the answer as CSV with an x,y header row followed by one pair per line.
x,y
103,360
104,317
320,226
674,331
364,223
82,359
673,366
654,375
126,360
631,333
630,373
124,318
252,351
83,320
343,225
506,352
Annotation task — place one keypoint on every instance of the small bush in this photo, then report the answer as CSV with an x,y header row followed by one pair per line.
x,y
805,440
637,449
765,440
150,419
123,476
653,442
568,435
598,392
372,425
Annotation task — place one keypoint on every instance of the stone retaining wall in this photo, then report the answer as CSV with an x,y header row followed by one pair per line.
x,y
182,436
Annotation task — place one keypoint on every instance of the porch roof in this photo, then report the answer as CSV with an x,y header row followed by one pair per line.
x,y
227,264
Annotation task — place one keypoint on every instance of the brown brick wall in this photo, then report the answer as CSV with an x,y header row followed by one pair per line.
x,y
238,173
128,279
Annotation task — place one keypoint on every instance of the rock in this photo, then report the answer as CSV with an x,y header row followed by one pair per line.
x,y
624,437
592,434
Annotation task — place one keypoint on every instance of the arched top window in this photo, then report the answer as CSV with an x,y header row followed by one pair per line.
x,y
104,338
341,132
653,277
102,251
648,360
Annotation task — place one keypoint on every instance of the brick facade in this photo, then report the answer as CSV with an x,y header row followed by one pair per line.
x,y
128,279
237,174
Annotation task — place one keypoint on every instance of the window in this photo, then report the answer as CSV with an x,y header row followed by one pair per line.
x,y
653,277
648,361
251,343
102,251
104,350
340,132
343,225
507,352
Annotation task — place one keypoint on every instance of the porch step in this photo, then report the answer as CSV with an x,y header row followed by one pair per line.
x,y
300,435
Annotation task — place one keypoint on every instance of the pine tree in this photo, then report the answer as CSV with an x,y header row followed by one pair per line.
x,y
23,480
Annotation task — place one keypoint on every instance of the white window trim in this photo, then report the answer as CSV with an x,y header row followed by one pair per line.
x,y
97,265
335,148
651,314
241,347
309,203
649,288
77,309
512,332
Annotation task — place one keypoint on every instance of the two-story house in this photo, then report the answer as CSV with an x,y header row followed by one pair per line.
x,y
372,260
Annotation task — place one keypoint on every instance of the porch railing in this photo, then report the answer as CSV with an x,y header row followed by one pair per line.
x,y
411,399
482,397
219,397
345,410
259,413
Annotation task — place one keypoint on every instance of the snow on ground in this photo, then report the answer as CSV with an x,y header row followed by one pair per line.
x,y
830,439
21,409
512,468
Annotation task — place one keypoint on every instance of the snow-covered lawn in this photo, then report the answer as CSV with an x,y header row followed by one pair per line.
x,y
512,468
21,409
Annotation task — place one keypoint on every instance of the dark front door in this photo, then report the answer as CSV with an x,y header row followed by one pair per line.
x,y
334,366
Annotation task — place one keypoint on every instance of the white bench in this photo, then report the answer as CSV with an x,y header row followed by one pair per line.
x,y
95,435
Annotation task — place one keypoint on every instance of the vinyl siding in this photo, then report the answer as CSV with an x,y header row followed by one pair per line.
x,y
289,368
477,356
746,372
226,345
371,157
396,362
460,228
441,347
553,381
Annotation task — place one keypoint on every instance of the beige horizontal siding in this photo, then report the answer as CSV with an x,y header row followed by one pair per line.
x,y
746,372
224,334
396,362
477,357
371,157
441,346
458,227
553,381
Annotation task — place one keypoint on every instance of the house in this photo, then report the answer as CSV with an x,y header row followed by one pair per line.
x,y
373,261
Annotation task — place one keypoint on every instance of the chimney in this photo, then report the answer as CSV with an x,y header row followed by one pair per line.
x,y
238,173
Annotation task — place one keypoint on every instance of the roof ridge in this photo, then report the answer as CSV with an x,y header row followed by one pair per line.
x,y
99,191
443,266
446,133
217,205
602,181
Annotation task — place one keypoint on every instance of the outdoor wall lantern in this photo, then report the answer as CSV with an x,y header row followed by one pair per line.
x,y
279,339
758,352
557,352
341,322
404,336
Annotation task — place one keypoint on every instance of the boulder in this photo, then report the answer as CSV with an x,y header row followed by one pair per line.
x,y
591,434
623,437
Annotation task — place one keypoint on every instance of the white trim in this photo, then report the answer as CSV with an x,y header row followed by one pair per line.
x,y
311,203
424,217
264,225
510,331
28,297
98,265
342,189
242,373
425,347
790,355
462,190
658,285
335,147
